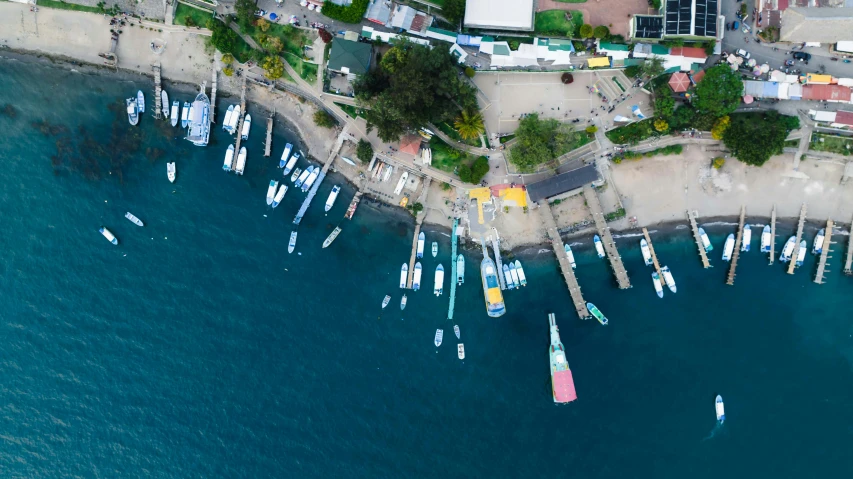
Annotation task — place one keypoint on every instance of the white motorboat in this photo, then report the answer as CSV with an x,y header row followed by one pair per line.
x,y
647,254
439,334
229,158
520,271
658,287
439,280
271,191
705,241
599,247
311,179
765,239
185,115
290,164
515,279
667,277
729,247
720,409
247,125
456,331
226,122
140,101
404,275
234,120
746,239
434,249
292,244
171,171
304,176
295,175
426,156
284,156
400,184
133,219
510,284
198,129
279,196
788,249
416,279
403,301
460,350
330,202
817,248
460,270
421,241
348,161
175,113
132,111
801,253
386,300
108,235
164,103
241,161
387,174
570,255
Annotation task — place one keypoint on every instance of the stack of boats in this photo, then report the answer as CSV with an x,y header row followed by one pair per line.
x,y
514,275
274,196
110,236
232,117
656,278
381,171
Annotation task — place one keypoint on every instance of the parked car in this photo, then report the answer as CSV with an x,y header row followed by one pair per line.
x,y
743,53
802,56
735,25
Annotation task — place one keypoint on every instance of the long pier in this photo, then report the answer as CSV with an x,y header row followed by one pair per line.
x,y
824,254
213,96
736,253
691,215
157,89
565,267
606,238
453,240
316,186
654,256
793,263
238,132
848,262
268,144
773,234
496,245
419,218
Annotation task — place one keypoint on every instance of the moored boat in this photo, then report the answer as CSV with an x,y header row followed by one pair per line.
x,y
788,249
290,164
386,300
599,248
416,279
334,234
171,171
241,161
508,277
295,175
226,122
279,196
400,184
108,235
198,131
185,115
352,207
311,179
658,287
801,253
460,350
247,125
271,191
570,255
434,249
164,103
495,306
348,161
175,113
403,301
133,219
597,314
668,279
304,176
140,101
439,335
515,280
404,275
746,239
284,156
229,158
439,280
705,241
234,120
132,111
521,277
460,270
720,409
765,239
387,175
292,244
817,247
456,331
729,247
421,240
647,254
562,383
330,202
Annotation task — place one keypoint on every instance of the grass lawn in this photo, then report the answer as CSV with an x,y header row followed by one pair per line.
x,y
553,22
448,130
243,52
792,144
832,144
507,138
306,70
444,156
199,17
68,6
292,37
350,110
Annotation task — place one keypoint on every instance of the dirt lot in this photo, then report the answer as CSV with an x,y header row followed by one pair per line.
x,y
614,14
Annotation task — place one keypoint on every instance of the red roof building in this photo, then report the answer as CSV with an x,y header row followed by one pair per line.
x,y
679,82
844,117
689,52
410,144
826,92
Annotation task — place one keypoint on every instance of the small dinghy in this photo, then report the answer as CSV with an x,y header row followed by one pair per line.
x,y
108,235
404,275
171,171
176,112
292,244
456,331
403,303
570,255
597,314
599,247
133,219
386,300
439,335
434,249
229,158
747,238
247,125
520,272
295,175
720,409
132,111
647,254
460,351
817,248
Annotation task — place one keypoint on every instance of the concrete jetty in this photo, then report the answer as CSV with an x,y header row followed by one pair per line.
x,y
824,254
453,240
848,262
565,267
736,253
157,89
496,245
419,219
654,256
268,143
691,215
316,186
792,265
773,234
606,238
213,95
239,130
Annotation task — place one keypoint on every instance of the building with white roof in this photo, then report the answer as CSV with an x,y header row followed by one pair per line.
x,y
499,14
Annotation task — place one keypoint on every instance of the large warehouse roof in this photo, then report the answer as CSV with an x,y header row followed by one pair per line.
x,y
499,14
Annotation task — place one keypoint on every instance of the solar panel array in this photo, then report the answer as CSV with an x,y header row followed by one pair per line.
x,y
679,17
706,18
648,27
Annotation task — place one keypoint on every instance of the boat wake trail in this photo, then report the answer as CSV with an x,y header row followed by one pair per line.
x,y
717,428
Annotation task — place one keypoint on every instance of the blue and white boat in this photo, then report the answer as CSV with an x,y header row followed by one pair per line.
x,y
421,242
658,287
229,158
292,244
508,277
729,247
817,248
416,278
570,255
175,113
515,279
108,235
747,238
765,239
311,179
247,125
280,195
668,279
284,156
333,195
304,176
647,254
720,409
439,280
226,122
521,276
404,275
801,253
599,248
788,249
705,241
290,164
140,101
185,115
271,191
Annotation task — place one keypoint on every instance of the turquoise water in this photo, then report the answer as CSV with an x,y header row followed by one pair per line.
x,y
199,347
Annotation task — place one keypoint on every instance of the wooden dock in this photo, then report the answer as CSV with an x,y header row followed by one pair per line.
x,y
268,144
158,108
565,267
496,245
654,256
773,234
848,262
736,253
691,215
239,129
213,96
606,238
792,265
824,254
419,218
344,135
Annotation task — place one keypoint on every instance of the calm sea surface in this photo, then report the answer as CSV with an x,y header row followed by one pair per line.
x,y
199,347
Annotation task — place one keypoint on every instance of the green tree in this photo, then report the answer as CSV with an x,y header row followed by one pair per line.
x,y
453,11
469,124
586,30
272,44
324,119
469,72
719,162
633,71
601,32
719,93
664,105
227,59
417,207
661,125
652,67
222,38
364,151
273,67
570,30
720,127
474,172
754,137
352,13
228,71
263,24
591,129
245,13
539,141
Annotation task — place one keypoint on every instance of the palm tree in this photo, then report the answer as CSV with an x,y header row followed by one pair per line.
x,y
469,124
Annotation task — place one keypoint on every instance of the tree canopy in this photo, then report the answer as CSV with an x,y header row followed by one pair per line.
x,y
222,38
719,93
475,172
364,151
586,30
245,13
601,32
453,11
273,67
539,141
755,137
352,13
413,85
652,67
469,124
